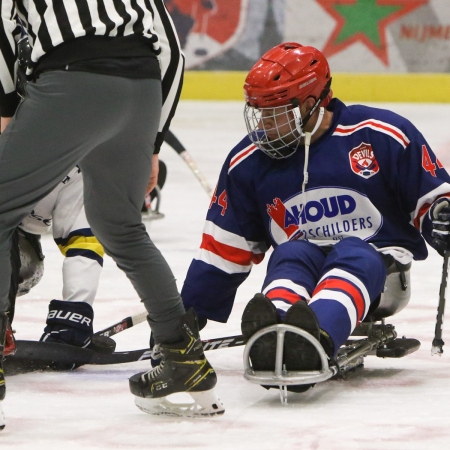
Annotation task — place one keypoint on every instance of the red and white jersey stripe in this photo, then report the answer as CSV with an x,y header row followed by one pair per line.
x,y
377,125
241,156
228,251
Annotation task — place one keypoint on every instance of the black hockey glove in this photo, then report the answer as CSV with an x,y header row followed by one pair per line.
x,y
440,216
69,323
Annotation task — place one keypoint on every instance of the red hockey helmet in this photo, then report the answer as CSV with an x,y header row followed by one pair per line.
x,y
274,89
286,72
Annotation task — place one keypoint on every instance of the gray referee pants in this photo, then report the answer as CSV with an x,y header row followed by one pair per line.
x,y
107,125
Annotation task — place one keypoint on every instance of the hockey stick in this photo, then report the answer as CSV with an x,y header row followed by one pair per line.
x,y
102,342
438,343
35,355
124,324
173,141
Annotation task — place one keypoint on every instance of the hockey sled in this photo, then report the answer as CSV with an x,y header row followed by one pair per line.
x,y
379,340
371,337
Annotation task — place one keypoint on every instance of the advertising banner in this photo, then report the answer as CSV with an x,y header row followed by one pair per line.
x,y
371,36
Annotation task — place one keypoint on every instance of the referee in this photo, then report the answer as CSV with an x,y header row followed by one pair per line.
x,y
103,85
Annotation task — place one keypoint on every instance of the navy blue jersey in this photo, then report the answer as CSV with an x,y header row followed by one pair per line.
x,y
372,175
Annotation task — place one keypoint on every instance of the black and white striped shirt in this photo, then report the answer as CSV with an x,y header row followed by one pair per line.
x,y
50,23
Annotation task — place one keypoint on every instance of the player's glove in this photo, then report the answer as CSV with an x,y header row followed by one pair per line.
x,y
69,323
440,216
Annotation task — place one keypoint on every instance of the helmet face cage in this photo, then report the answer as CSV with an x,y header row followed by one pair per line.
x,y
275,131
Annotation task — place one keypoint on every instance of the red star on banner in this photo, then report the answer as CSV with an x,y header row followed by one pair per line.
x,y
364,21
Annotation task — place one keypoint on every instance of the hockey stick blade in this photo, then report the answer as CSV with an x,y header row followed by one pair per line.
x,y
35,355
225,342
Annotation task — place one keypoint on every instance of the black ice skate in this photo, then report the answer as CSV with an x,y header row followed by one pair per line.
x,y
183,368
259,313
299,353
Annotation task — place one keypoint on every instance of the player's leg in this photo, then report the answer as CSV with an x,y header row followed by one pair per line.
x,y
83,260
339,283
352,278
330,291
16,265
116,175
292,274
62,118
9,346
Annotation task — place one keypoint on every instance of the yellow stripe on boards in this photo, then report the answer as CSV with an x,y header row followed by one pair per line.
x,y
408,87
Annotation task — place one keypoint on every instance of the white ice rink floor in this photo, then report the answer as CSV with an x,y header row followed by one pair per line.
x,y
390,404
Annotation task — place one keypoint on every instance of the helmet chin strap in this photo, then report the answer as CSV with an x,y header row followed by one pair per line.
x,y
308,135
319,120
298,122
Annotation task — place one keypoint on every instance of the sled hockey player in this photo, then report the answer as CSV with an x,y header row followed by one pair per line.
x,y
343,194
101,97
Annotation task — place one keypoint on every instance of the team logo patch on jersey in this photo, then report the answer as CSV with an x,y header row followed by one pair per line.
x,y
363,161
324,214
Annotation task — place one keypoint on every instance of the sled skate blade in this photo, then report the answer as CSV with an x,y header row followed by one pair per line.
x,y
204,404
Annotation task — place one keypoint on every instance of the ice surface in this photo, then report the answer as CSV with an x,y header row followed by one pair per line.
x,y
391,404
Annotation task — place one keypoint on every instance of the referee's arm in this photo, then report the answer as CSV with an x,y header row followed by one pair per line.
x,y
171,60
8,96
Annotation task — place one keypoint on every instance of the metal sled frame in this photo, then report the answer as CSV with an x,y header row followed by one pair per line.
x,y
281,377
379,340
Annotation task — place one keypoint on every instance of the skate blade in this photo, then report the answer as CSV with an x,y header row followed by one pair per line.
x,y
2,418
205,404
152,215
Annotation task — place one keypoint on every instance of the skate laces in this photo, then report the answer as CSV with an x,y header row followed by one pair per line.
x,y
155,372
